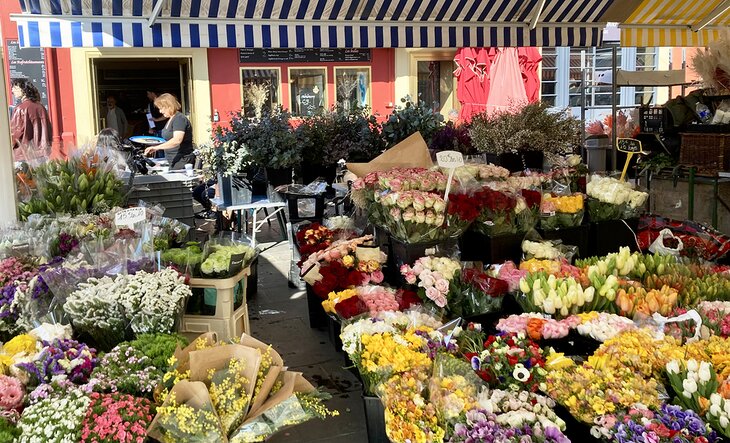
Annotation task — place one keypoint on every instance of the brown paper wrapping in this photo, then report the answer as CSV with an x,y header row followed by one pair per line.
x,y
277,365
192,393
293,382
410,153
183,356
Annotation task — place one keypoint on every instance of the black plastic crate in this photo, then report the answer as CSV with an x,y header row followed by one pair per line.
x,y
293,205
609,236
653,120
375,419
475,246
578,236
407,253
334,328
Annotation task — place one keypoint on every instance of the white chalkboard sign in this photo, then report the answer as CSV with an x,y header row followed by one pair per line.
x,y
28,63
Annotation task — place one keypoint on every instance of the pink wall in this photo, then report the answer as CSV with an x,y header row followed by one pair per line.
x,y
225,88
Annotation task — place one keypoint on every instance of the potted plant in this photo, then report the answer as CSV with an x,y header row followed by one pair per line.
x,y
272,143
339,134
410,118
518,139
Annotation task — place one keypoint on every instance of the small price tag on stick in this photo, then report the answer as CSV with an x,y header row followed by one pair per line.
x,y
449,160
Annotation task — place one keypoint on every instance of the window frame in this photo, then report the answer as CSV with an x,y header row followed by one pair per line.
x,y
358,67
260,68
291,85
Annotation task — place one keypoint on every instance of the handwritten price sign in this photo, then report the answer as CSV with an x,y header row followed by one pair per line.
x,y
129,217
449,160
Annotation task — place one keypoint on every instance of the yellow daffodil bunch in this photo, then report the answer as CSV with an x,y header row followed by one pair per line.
x,y
409,416
335,297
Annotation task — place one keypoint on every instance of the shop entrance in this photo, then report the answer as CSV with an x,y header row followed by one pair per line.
x,y
129,79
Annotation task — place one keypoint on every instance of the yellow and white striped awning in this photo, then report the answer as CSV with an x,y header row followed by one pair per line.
x,y
688,23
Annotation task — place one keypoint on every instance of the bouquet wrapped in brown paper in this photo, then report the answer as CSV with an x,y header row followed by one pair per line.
x,y
271,366
187,415
229,372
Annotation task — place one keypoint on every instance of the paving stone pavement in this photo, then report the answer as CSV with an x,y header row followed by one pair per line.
x,y
278,315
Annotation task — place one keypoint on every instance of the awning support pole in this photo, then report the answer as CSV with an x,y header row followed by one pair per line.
x,y
712,16
538,12
155,13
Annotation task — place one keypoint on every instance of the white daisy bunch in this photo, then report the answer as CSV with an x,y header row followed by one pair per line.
x,y
54,419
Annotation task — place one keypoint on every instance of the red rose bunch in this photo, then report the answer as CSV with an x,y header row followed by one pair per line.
x,y
336,277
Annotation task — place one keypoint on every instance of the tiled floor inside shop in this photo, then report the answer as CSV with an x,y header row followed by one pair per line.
x,y
278,315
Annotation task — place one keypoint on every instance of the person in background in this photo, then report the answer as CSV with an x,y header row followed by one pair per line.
x,y
159,119
30,126
178,133
109,143
115,118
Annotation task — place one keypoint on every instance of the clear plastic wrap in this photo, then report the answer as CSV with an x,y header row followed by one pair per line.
x,y
535,247
482,294
613,199
225,256
453,387
561,209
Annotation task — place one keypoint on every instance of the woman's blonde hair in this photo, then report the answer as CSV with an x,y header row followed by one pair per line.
x,y
168,101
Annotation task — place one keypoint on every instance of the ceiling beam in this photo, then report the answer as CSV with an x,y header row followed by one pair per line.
x,y
712,16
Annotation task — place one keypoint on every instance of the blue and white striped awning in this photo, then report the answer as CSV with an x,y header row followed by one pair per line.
x,y
310,23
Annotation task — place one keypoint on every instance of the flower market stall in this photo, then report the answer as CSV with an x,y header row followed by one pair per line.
x,y
473,303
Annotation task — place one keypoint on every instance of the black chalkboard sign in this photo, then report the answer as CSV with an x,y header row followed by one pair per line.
x,y
28,63
302,55
628,145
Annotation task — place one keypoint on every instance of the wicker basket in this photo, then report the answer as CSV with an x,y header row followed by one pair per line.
x,y
709,153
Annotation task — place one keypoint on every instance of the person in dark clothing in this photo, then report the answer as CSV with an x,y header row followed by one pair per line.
x,y
159,119
202,194
177,131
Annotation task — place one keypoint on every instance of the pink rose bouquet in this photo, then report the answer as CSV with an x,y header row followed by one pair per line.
x,y
378,299
437,279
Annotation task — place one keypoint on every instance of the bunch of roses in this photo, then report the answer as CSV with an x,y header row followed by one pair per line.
x,y
312,238
434,277
334,253
509,361
412,216
498,214
365,190
335,276
483,293
116,418
378,299
61,360
511,274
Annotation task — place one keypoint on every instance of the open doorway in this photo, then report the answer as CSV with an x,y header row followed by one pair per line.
x,y
129,79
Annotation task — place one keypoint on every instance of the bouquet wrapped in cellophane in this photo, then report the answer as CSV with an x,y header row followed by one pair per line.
x,y
612,199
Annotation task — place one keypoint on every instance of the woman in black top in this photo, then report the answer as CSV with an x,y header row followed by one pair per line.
x,y
178,132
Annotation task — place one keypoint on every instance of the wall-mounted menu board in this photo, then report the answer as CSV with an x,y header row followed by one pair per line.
x,y
28,63
302,55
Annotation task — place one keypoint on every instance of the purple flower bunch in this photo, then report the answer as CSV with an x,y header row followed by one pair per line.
x,y
62,360
66,244
7,295
670,424
483,427
438,345
12,268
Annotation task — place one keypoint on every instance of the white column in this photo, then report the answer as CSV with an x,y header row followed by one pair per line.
x,y
8,201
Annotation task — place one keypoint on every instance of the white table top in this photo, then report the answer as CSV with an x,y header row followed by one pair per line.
x,y
255,205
